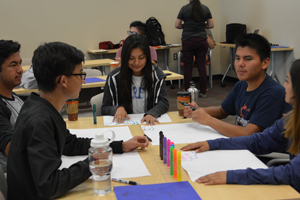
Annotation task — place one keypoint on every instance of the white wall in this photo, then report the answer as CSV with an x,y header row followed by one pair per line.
x,y
275,19
84,24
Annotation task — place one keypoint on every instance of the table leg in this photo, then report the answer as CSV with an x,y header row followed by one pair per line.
x,y
273,73
230,67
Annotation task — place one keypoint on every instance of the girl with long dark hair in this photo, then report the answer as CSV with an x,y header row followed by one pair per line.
x,y
137,86
197,18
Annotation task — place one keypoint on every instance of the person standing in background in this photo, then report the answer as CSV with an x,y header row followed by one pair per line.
x,y
196,17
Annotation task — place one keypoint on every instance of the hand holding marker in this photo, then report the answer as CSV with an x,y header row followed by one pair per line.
x,y
185,104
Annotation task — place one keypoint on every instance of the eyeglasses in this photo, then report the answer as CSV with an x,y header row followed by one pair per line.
x,y
131,32
82,74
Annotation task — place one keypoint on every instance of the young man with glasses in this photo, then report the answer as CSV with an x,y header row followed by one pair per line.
x,y
138,27
40,137
10,104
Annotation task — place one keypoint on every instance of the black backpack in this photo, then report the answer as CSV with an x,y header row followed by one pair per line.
x,y
234,30
155,35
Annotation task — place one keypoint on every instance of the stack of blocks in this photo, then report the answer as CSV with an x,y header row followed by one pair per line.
x,y
170,156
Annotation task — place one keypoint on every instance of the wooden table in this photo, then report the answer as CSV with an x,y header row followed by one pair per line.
x,y
87,63
160,174
273,49
173,76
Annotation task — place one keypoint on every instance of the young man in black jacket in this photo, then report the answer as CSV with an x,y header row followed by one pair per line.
x,y
40,137
10,104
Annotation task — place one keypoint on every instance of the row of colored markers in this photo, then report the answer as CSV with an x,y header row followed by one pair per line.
x,y
170,156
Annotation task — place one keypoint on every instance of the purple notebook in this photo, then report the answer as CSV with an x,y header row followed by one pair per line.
x,y
93,80
166,191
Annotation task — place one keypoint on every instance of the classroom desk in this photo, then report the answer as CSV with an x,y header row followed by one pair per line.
x,y
231,65
160,173
87,63
162,47
173,76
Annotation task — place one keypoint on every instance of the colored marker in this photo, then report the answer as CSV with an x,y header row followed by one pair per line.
x,y
175,163
165,150
179,178
125,181
94,114
171,160
185,104
161,143
168,152
148,137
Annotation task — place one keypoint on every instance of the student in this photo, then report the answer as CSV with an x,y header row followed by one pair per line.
x,y
282,136
256,100
137,86
10,104
194,18
138,27
40,136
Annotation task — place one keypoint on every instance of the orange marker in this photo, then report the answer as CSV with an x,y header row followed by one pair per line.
x,y
179,178
175,163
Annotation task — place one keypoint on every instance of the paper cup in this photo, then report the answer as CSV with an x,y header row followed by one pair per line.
x,y
113,65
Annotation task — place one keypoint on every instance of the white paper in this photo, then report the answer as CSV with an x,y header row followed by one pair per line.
x,y
134,119
182,133
201,164
126,165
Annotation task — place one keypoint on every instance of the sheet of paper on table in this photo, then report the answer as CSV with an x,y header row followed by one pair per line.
x,y
182,133
134,119
201,164
126,165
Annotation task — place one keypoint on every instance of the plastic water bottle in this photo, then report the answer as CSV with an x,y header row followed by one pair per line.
x,y
100,159
194,92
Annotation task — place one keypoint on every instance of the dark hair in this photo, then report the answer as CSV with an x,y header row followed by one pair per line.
x,y
140,26
124,78
254,41
292,127
7,47
53,59
197,12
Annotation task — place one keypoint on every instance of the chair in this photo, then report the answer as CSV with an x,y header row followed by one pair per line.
x,y
88,93
97,100
3,185
181,64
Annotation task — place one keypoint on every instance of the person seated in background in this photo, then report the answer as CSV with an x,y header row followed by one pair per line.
x,y
28,80
137,86
138,27
256,100
10,104
40,136
282,136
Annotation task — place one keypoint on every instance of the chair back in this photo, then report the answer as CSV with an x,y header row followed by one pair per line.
x,y
3,185
97,100
92,72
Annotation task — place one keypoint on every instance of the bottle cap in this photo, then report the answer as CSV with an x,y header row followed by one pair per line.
x,y
100,142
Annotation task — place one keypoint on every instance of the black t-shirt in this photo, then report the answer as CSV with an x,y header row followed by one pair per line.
x,y
191,27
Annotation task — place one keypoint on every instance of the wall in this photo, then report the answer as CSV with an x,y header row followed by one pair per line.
x,y
275,19
84,24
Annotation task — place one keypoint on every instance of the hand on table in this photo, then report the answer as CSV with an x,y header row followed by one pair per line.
x,y
198,147
213,179
187,111
150,120
134,143
120,115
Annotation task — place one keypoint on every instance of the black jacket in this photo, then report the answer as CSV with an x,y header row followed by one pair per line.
x,y
39,140
160,101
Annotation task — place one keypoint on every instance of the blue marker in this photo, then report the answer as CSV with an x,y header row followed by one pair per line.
x,y
94,114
